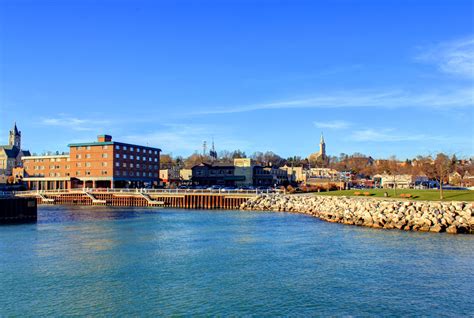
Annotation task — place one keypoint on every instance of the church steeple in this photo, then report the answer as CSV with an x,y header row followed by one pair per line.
x,y
322,146
15,137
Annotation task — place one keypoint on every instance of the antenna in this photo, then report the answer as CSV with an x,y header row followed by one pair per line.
x,y
213,152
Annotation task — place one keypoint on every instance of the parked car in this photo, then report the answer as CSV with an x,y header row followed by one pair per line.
x,y
230,188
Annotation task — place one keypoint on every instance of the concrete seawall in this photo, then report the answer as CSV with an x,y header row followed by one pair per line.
x,y
427,216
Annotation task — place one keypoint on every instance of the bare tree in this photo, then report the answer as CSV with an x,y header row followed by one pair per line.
x,y
268,158
225,156
238,154
196,159
439,170
166,161
393,169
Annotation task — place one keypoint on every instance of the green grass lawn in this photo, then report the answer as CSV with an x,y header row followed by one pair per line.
x,y
449,195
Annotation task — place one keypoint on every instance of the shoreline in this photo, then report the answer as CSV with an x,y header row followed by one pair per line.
x,y
454,217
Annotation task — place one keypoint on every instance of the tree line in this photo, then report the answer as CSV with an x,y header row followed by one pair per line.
x,y
437,167
357,163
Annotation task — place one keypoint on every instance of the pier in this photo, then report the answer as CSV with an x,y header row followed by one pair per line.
x,y
17,210
176,198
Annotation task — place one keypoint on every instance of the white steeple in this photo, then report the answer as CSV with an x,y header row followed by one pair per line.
x,y
322,146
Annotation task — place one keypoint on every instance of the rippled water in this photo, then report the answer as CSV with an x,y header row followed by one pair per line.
x,y
122,261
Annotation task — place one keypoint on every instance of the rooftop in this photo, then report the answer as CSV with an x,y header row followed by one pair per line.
x,y
103,140
44,157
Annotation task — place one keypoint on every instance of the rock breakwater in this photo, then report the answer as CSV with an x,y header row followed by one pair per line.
x,y
427,216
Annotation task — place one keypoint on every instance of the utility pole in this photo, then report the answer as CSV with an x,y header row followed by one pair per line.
x,y
204,148
213,152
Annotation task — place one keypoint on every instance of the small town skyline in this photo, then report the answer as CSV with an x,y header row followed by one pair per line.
x,y
108,163
393,79
63,149
210,153
236,158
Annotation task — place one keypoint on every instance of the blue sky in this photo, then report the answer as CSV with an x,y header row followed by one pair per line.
x,y
378,77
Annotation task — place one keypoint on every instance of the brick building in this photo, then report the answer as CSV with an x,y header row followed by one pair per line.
x,y
101,164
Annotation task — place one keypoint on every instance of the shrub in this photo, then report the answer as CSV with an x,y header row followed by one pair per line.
x,y
290,189
11,180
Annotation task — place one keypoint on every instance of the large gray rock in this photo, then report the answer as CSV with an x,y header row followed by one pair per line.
x,y
452,229
453,217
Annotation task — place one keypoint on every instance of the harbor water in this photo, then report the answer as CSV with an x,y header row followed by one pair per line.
x,y
149,262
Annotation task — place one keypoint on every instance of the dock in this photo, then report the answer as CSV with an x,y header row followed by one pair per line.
x,y
176,198
17,210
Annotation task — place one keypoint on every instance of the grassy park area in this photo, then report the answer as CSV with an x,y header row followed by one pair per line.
x,y
449,195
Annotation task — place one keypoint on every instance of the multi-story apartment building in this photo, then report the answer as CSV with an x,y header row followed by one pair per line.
x,y
47,172
104,163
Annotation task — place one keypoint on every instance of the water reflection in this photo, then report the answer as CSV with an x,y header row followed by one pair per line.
x,y
163,262
60,214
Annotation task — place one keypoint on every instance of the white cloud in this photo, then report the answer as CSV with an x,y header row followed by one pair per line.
x,y
455,57
183,139
335,124
74,123
361,99
390,135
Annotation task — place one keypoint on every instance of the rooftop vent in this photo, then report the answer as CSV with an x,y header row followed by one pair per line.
x,y
104,138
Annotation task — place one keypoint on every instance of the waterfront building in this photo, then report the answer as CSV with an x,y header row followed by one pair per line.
x,y
243,172
244,167
362,181
324,173
222,174
170,176
11,154
186,175
295,174
103,163
269,176
326,178
402,181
